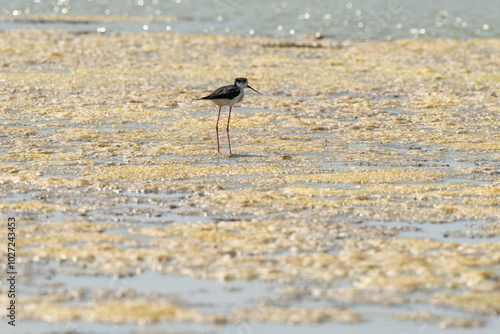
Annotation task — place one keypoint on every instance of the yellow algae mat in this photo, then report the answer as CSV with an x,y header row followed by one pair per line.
x,y
366,174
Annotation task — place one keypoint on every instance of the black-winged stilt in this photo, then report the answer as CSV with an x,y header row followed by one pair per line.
x,y
228,96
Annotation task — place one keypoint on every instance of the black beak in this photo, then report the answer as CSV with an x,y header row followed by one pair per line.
x,y
253,90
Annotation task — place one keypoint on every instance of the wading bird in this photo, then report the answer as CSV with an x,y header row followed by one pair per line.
x,y
228,96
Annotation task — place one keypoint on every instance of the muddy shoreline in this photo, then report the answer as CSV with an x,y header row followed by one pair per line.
x,y
354,149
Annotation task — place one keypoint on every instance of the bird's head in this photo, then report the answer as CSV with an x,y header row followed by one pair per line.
x,y
243,83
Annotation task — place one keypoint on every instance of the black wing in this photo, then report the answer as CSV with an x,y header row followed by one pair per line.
x,y
226,92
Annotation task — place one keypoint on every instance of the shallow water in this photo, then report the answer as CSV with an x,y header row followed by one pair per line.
x,y
330,213
339,19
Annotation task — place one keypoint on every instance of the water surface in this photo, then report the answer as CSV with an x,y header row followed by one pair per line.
x,y
339,19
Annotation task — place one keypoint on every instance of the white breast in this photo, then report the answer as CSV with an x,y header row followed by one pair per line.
x,y
239,98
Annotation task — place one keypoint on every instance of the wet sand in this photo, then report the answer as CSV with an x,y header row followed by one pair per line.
x,y
355,151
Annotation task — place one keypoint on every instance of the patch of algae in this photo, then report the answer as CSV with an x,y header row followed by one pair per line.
x,y
399,283
442,322
296,315
31,206
406,264
361,175
52,236
105,127
182,171
134,311
437,204
481,302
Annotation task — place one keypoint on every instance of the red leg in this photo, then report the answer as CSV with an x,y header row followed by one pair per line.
x,y
227,129
217,130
